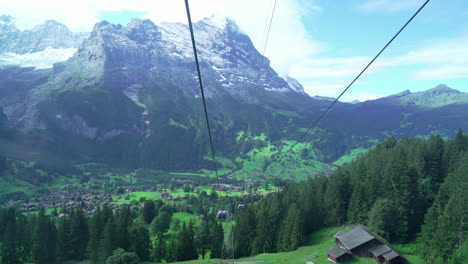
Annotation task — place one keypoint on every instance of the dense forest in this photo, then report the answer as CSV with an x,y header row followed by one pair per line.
x,y
407,190
412,189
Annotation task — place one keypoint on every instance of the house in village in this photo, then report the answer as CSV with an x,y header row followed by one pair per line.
x,y
361,242
165,195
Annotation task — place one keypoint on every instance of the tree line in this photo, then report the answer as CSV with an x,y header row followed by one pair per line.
x,y
402,190
122,236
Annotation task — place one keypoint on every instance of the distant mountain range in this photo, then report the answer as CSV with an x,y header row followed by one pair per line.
x,y
128,96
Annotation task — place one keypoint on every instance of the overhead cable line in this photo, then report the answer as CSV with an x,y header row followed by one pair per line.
x,y
201,88
344,91
264,49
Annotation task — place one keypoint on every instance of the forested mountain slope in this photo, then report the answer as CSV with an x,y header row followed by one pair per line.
x,y
128,97
402,190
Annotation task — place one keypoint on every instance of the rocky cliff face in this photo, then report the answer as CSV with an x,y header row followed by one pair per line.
x,y
143,50
51,34
126,58
129,96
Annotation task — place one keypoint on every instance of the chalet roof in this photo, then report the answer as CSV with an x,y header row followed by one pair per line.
x,y
390,255
338,234
336,252
355,237
380,250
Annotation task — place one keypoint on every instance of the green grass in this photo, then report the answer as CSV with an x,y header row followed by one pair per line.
x,y
184,217
315,251
186,173
350,156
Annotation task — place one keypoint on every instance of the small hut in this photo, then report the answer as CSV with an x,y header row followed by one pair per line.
x,y
240,207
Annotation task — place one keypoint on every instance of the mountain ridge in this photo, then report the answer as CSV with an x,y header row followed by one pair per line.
x,y
129,97
436,97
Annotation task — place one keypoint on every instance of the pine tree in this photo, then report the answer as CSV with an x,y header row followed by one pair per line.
x,y
217,240
63,240
45,240
107,244
336,197
95,235
161,223
202,238
358,210
159,250
149,211
185,246
9,250
78,235
383,218
172,252
244,232
140,241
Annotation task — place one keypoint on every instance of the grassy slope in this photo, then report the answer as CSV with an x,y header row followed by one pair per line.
x,y
315,251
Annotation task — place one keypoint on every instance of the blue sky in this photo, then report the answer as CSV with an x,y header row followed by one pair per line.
x,y
322,43
357,30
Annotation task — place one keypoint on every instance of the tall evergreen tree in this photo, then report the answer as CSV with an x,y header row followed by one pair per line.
x,y
172,252
78,235
244,232
95,235
44,241
63,240
149,211
124,219
9,249
140,241
185,246
159,250
202,238
217,240
108,242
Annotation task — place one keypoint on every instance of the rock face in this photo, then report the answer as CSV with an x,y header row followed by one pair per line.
x,y
228,58
129,96
51,34
127,57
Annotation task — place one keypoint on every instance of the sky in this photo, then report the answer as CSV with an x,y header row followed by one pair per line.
x,y
322,43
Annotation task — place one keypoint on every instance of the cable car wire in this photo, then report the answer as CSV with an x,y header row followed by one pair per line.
x,y
264,49
201,88
344,91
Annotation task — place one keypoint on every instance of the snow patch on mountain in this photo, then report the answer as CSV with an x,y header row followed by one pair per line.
x,y
40,60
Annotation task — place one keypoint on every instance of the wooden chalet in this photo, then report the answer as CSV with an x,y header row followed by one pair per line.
x,y
386,255
361,242
358,241
337,254
165,195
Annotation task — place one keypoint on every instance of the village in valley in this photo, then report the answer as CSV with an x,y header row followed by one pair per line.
x,y
59,201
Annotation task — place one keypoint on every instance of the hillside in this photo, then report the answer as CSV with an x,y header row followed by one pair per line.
x,y
296,224
128,97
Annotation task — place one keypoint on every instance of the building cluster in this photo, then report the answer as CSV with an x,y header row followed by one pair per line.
x,y
361,242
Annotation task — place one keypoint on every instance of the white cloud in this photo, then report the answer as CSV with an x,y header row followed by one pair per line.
x,y
77,15
361,96
442,59
318,88
441,73
439,60
389,5
328,67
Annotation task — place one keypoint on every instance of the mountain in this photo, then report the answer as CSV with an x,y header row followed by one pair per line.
x,y
40,46
129,97
438,96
